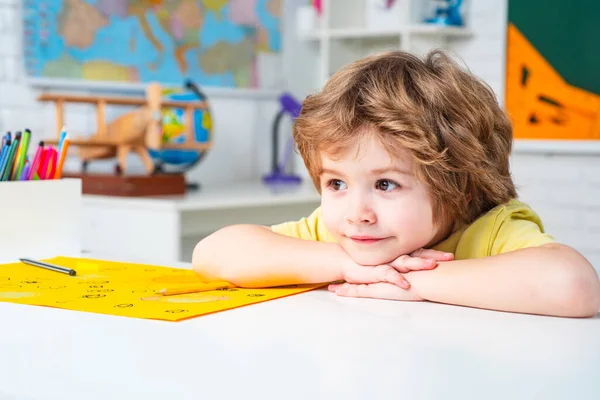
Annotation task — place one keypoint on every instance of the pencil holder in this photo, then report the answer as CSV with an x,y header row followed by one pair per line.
x,y
40,219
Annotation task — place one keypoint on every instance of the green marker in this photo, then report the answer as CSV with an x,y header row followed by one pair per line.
x,y
23,154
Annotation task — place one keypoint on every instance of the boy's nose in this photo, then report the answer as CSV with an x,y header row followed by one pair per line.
x,y
360,213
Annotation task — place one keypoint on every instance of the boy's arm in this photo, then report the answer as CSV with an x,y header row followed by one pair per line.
x,y
552,279
255,256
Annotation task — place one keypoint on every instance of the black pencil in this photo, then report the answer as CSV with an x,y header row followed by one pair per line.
x,y
52,267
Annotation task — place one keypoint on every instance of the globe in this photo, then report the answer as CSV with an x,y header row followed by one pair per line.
x,y
173,125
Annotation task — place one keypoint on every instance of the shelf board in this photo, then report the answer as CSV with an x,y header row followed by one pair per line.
x,y
366,33
350,33
563,147
353,33
431,29
308,36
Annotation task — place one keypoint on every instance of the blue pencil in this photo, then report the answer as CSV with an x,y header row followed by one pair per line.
x,y
63,135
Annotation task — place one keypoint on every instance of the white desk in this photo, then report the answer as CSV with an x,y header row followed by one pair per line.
x,y
163,229
309,346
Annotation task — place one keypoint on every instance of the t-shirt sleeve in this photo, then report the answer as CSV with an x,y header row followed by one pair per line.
x,y
519,229
308,228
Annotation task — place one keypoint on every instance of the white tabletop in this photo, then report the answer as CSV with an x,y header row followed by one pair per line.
x,y
309,346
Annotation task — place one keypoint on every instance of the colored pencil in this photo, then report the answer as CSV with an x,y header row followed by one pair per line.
x,y
63,135
61,157
201,287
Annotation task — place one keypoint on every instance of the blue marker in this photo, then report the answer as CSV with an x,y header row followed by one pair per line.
x,y
4,156
8,163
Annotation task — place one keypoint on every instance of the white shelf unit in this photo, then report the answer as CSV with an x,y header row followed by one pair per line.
x,y
347,30
414,29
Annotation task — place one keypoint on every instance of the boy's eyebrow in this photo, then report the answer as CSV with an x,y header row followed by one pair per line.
x,y
380,171
329,171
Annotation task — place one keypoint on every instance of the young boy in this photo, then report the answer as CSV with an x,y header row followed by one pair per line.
x,y
411,157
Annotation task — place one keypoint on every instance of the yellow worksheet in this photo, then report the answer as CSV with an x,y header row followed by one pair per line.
x,y
124,289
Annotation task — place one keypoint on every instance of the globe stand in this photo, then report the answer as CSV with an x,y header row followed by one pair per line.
x,y
193,186
189,186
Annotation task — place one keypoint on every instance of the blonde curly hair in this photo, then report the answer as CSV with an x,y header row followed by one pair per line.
x,y
447,119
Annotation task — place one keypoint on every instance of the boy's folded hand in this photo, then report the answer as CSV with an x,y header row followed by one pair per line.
x,y
392,272
356,273
380,290
419,260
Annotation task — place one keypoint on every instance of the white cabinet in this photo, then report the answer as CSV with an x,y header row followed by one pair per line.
x,y
347,30
166,228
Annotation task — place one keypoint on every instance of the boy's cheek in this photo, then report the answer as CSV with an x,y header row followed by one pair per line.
x,y
331,218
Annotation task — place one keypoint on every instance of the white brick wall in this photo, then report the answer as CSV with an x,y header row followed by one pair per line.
x,y
565,191
9,54
484,52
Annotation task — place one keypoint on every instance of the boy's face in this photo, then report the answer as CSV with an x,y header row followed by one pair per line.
x,y
374,205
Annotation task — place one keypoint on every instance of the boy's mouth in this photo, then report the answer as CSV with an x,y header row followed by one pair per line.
x,y
365,239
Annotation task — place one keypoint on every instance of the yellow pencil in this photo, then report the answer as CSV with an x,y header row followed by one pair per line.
x,y
201,287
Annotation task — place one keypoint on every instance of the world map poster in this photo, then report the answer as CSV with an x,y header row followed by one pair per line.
x,y
224,43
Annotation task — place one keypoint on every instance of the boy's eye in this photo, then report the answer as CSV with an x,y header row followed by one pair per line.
x,y
337,184
386,185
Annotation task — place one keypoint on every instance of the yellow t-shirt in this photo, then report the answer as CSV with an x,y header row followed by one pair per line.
x,y
505,228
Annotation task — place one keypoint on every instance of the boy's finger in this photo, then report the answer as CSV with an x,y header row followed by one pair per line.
x,y
432,254
386,273
375,290
407,263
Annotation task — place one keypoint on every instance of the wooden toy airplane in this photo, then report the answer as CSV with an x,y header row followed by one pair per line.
x,y
137,131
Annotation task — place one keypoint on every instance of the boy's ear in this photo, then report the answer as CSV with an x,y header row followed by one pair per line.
x,y
468,198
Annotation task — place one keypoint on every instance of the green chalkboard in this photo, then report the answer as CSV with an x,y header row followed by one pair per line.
x,y
566,33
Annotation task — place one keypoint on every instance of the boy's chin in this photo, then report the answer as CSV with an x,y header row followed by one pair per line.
x,y
371,258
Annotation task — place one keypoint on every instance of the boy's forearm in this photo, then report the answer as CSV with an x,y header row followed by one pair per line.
x,y
551,280
255,256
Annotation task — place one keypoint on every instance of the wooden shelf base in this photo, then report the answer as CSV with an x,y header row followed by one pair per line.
x,y
131,185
